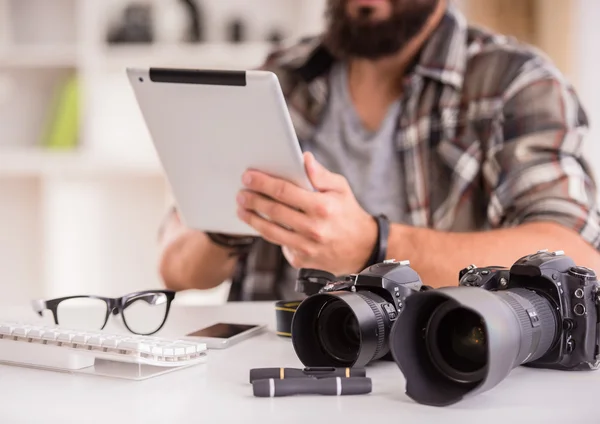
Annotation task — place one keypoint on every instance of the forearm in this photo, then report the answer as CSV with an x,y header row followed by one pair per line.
x,y
439,256
189,260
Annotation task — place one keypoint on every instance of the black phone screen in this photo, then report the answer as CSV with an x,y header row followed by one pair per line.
x,y
222,330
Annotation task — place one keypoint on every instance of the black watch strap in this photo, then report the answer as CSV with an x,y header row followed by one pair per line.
x,y
237,244
379,252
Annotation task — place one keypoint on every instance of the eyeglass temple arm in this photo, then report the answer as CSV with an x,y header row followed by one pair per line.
x,y
39,306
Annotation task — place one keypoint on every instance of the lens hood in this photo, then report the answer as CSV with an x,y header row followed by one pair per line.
x,y
416,348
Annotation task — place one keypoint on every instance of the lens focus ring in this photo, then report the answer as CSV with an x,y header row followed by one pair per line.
x,y
519,308
380,323
538,330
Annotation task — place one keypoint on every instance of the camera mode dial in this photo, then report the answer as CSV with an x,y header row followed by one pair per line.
x,y
583,273
489,278
472,279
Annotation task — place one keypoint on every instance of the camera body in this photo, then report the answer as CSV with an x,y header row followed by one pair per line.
x,y
346,321
392,280
311,281
572,290
488,278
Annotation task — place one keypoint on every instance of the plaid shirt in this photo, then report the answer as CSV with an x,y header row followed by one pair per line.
x,y
490,135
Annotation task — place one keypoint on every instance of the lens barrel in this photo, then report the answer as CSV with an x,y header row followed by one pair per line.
x,y
454,343
341,329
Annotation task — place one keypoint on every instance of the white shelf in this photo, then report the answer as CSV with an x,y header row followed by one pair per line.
x,y
27,100
59,56
46,163
223,55
42,22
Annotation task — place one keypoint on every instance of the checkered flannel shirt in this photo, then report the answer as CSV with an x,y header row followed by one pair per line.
x,y
490,135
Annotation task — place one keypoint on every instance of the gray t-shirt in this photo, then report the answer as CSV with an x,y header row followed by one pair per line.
x,y
368,159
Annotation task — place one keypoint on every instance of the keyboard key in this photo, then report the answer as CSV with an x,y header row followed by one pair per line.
x,y
163,348
36,333
110,343
95,341
179,350
21,331
81,339
6,330
190,349
50,335
65,337
169,350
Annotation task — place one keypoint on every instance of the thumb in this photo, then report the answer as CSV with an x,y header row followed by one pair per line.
x,y
320,177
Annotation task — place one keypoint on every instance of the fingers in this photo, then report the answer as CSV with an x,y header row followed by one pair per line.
x,y
321,178
276,234
275,211
290,194
280,190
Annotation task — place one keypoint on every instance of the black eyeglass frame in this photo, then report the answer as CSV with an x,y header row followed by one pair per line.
x,y
114,306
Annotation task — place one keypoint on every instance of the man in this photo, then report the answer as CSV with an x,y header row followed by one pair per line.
x,y
425,139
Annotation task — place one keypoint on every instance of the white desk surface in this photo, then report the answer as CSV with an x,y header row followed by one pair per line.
x,y
219,391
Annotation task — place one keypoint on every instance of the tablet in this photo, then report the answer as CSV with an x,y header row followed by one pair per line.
x,y
208,127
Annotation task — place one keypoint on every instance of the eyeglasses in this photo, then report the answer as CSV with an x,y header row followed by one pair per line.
x,y
143,313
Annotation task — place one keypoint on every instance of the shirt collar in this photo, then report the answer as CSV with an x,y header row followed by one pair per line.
x,y
444,56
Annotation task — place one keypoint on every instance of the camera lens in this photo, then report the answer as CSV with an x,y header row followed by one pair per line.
x,y
338,331
341,329
457,343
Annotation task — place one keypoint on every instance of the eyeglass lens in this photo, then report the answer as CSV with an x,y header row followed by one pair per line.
x,y
145,313
69,313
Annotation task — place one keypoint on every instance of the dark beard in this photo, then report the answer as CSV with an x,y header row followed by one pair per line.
x,y
348,37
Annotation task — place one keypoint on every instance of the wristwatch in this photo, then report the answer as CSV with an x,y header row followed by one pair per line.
x,y
379,252
237,244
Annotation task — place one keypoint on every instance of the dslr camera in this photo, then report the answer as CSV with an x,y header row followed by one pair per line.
x,y
456,342
346,321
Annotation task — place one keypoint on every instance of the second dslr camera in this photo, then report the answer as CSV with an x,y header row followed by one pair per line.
x,y
459,341
346,322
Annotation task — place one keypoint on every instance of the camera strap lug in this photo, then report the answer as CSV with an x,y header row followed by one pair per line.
x,y
596,294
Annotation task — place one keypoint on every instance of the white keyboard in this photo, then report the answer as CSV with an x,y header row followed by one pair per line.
x,y
56,347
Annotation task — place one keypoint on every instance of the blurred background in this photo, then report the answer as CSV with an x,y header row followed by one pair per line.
x,y
81,191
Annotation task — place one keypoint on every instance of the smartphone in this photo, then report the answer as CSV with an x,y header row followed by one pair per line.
x,y
222,335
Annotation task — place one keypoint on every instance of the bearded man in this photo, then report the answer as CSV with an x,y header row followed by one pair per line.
x,y
426,139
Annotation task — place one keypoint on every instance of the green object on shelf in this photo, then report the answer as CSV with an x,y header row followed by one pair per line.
x,y
63,128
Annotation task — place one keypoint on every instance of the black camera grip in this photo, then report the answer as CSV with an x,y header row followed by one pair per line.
x,y
333,386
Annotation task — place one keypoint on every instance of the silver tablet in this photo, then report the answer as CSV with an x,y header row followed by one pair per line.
x,y
208,127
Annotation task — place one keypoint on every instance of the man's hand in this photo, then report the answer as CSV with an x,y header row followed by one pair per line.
x,y
326,229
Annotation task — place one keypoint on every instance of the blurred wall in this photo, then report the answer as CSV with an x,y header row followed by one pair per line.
x,y
586,66
568,31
